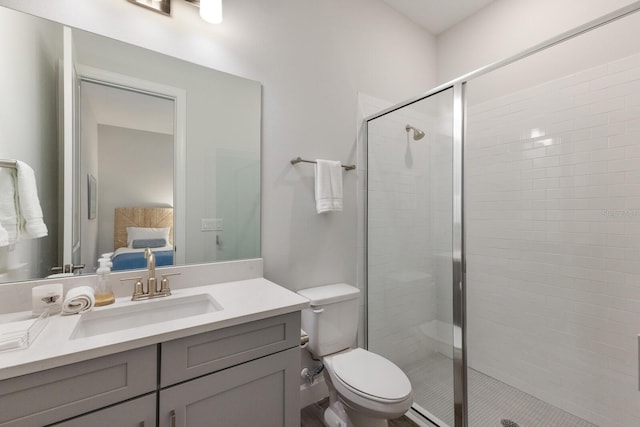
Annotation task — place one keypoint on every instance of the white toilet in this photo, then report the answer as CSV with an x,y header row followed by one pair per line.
x,y
365,389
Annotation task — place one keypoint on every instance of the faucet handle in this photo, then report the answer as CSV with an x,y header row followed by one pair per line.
x,y
164,283
138,289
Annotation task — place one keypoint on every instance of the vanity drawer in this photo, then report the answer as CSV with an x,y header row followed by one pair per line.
x,y
140,412
56,394
198,355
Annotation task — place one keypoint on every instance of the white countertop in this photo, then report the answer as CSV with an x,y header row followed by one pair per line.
x,y
242,301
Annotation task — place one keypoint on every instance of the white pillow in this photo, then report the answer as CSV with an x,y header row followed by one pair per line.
x,y
138,233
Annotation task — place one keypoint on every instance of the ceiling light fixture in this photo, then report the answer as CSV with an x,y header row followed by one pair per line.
x,y
210,10
160,6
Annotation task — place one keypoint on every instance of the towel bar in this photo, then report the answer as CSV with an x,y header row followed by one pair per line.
x,y
8,164
300,160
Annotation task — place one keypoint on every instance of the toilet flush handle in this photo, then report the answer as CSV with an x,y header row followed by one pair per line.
x,y
318,310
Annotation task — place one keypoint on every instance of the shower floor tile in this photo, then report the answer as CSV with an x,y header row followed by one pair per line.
x,y
490,400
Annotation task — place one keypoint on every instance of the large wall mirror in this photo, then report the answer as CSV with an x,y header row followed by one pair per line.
x,y
130,148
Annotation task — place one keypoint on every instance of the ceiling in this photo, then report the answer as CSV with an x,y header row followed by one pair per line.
x,y
437,16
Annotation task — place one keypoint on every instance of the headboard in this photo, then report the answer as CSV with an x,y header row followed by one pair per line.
x,y
140,217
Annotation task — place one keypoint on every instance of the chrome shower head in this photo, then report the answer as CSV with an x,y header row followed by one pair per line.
x,y
417,133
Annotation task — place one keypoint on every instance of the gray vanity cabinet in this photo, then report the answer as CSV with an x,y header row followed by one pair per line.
x,y
140,412
242,375
263,392
246,375
57,394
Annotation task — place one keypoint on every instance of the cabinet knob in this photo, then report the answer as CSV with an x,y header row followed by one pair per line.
x,y
173,417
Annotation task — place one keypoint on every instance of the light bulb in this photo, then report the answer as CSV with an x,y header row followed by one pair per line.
x,y
211,11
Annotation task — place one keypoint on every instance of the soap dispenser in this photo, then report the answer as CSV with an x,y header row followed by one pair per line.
x,y
104,292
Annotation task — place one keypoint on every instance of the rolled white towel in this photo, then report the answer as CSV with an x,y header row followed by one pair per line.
x,y
78,300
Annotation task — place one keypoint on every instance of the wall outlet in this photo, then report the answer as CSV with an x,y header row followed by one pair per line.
x,y
211,224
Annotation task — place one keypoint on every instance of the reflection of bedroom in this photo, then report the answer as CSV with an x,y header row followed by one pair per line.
x,y
139,229
127,145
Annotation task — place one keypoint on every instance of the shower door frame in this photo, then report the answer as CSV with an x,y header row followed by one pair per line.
x,y
460,386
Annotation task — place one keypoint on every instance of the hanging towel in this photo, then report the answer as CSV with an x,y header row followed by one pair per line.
x,y
78,300
328,185
9,232
29,210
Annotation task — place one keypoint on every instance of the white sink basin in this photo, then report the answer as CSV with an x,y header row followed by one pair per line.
x,y
143,313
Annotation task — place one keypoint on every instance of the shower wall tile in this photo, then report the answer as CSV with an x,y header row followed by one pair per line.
x,y
409,271
401,282
553,240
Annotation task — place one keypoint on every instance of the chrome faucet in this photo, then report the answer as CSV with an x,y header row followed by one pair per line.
x,y
152,291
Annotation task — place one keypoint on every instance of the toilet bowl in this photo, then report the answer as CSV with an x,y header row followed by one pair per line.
x,y
365,389
371,388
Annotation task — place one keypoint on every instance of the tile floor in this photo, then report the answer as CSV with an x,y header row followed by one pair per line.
x,y
490,401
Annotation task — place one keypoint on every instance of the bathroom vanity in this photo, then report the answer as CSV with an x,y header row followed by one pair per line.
x,y
235,366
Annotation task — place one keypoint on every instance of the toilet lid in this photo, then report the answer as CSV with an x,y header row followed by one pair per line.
x,y
371,374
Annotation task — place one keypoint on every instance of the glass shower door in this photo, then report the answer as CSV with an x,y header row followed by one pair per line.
x,y
409,248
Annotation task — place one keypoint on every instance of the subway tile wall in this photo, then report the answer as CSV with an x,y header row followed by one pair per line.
x,y
409,233
553,240
401,283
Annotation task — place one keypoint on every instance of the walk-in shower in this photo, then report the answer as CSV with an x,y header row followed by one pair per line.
x,y
503,253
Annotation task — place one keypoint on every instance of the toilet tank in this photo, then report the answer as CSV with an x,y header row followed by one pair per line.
x,y
332,320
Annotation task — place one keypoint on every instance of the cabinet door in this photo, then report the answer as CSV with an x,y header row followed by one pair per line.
x,y
61,393
140,412
263,392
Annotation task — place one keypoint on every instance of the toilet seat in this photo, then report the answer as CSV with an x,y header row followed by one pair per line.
x,y
370,375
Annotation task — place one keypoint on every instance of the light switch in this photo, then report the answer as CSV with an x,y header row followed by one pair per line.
x,y
207,224
211,224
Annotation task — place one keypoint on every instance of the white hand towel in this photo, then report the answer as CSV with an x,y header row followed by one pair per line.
x,y
78,300
328,185
30,211
8,207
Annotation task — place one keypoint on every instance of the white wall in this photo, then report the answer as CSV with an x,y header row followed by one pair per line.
x,y
507,27
135,170
312,58
28,78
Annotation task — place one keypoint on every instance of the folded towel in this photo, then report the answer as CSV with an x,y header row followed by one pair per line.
x,y
328,185
78,300
30,211
8,207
